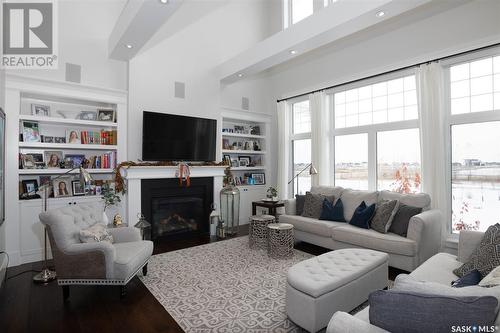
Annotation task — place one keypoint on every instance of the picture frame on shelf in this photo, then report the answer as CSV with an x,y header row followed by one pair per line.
x,y
33,159
255,130
46,180
226,158
244,161
75,160
31,131
72,136
53,158
256,161
106,115
259,178
237,181
40,110
88,115
235,163
27,161
239,129
62,187
225,144
77,188
30,186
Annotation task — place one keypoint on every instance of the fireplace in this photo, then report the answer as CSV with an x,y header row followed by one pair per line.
x,y
177,211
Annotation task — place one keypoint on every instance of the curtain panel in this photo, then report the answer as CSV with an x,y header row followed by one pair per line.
x,y
284,149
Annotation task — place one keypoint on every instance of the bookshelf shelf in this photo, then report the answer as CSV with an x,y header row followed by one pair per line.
x,y
72,146
59,171
67,121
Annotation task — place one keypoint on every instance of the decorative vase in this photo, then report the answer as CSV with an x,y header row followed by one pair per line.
x,y
230,208
105,219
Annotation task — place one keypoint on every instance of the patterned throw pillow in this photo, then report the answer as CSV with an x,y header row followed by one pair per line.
x,y
384,214
486,256
313,204
96,233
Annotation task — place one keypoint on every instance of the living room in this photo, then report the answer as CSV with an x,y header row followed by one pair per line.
x,y
250,165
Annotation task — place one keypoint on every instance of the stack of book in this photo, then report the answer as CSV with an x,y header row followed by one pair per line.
x,y
99,138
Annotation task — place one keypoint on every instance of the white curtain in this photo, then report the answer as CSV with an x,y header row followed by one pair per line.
x,y
320,140
430,90
284,151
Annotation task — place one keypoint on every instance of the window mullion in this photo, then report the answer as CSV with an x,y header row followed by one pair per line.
x,y
372,160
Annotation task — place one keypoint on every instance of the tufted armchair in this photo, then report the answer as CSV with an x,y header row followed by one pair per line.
x,y
100,263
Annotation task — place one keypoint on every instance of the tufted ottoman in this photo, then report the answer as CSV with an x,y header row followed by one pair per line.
x,y
335,281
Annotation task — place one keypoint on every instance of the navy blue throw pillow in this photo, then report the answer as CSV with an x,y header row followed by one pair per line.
x,y
362,216
470,279
331,212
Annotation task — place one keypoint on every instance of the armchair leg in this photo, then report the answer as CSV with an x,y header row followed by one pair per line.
x,y
145,270
123,291
65,293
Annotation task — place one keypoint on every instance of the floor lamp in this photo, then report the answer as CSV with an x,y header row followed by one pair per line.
x,y
47,275
312,171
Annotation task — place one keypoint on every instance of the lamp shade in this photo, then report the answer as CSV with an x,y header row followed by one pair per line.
x,y
312,170
85,176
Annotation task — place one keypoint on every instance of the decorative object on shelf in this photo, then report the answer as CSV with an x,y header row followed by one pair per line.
x,y
47,139
72,136
230,208
109,197
30,185
40,110
257,231
259,178
255,130
31,132
47,275
142,225
272,193
53,158
106,115
226,159
66,114
220,232
117,220
225,144
280,240
77,188
59,139
62,187
88,115
312,171
183,174
244,161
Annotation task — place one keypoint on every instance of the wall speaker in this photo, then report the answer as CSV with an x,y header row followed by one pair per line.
x,y
73,73
179,89
245,103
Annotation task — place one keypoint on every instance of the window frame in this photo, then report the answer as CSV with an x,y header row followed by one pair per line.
x,y
372,129
288,11
294,137
460,119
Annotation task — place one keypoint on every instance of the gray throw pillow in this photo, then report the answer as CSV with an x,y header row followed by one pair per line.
x,y
487,255
384,214
402,218
299,203
400,311
313,204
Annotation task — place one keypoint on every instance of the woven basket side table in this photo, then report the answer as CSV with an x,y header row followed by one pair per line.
x,y
257,232
280,240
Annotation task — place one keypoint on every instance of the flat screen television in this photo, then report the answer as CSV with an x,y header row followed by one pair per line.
x,y
168,137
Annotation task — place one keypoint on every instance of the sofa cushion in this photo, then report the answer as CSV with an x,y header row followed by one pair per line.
x,y
308,224
353,198
299,203
438,268
362,216
492,279
421,200
384,214
332,212
328,191
487,255
129,257
402,218
313,204
371,239
406,311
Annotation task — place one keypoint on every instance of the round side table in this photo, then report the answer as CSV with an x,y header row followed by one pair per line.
x,y
257,231
280,240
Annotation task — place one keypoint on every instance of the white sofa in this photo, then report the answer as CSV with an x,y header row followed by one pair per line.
x,y
406,253
439,268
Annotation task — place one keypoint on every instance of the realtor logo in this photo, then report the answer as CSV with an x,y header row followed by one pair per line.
x,y
29,35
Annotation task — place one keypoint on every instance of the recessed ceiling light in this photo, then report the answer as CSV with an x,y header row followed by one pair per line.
x,y
240,74
380,14
293,52
164,1
128,46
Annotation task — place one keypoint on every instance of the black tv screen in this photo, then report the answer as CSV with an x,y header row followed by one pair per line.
x,y
167,137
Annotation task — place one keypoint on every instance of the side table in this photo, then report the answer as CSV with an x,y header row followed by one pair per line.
x,y
271,206
280,240
257,231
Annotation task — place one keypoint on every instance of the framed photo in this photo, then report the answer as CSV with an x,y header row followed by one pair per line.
x,y
53,158
235,163
227,159
88,115
59,139
256,161
73,136
239,129
225,144
30,186
32,159
244,160
259,178
48,139
27,161
40,110
31,132
77,188
74,159
45,180
62,187
106,115
255,130
237,180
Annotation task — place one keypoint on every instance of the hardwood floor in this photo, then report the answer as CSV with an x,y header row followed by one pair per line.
x,y
29,307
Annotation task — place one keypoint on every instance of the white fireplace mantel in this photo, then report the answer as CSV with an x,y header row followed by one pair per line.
x,y
133,176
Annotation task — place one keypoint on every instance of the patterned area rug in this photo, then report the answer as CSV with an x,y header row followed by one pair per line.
x,y
223,287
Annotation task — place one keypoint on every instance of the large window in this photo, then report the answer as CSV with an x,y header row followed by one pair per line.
x,y
301,146
474,109
301,9
351,161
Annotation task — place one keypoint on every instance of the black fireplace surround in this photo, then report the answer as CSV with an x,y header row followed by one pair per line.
x,y
176,211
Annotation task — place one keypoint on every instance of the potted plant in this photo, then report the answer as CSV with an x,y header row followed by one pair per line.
x,y
110,198
272,193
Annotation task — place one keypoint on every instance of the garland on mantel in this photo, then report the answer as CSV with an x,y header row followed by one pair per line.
x,y
120,183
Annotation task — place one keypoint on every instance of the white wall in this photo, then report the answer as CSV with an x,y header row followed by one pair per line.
x,y
84,28
191,56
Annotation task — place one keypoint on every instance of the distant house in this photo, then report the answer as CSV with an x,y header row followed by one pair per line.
x,y
472,162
